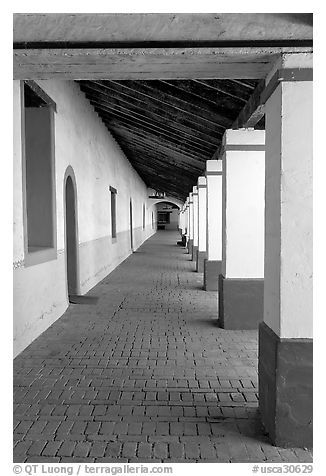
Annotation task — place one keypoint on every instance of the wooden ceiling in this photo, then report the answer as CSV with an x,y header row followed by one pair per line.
x,y
169,128
138,72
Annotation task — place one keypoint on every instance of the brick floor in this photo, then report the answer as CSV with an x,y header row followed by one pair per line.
x,y
144,375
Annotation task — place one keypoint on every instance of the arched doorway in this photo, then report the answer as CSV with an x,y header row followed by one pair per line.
x,y
131,231
167,215
71,237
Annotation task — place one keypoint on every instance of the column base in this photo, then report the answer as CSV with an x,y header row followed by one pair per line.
x,y
285,388
212,269
183,241
194,253
189,246
240,303
201,256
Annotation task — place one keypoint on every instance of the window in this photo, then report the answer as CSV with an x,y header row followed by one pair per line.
x,y
39,185
144,216
113,212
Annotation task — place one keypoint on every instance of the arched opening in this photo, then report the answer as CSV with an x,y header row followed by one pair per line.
x,y
167,216
71,237
131,232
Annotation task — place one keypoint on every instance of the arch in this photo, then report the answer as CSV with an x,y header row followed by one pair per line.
x,y
168,214
174,201
71,232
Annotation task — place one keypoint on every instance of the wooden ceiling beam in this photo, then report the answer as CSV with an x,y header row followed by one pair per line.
x,y
175,155
226,105
114,124
178,189
177,134
193,96
171,169
164,158
99,106
253,111
107,120
225,87
155,141
169,156
80,69
154,92
144,63
147,108
243,84
157,172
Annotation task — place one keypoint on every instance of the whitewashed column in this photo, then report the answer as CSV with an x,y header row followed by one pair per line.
x,y
181,220
183,226
241,282
213,263
187,220
191,224
195,223
202,225
285,336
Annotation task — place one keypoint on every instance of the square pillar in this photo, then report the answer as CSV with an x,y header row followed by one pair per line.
x,y
190,225
182,226
195,223
213,263
241,282
181,222
185,236
285,336
186,219
202,226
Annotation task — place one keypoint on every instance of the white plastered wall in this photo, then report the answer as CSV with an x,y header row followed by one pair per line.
x,y
82,142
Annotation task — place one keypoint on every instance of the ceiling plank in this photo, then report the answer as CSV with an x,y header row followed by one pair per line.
x,y
146,107
243,84
227,105
114,124
181,124
158,142
163,156
154,90
225,87
168,179
172,170
175,155
108,113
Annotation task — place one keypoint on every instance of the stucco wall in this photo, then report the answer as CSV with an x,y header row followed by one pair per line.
x,y
82,142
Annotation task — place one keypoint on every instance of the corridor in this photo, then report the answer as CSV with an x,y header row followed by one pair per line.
x,y
140,372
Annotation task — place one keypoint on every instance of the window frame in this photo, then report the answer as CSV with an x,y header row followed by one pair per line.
x,y
113,211
48,253
144,216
